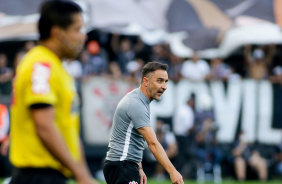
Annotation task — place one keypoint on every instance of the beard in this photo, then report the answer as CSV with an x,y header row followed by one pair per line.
x,y
72,50
154,95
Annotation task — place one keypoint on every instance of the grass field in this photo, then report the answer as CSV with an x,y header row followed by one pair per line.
x,y
193,182
223,182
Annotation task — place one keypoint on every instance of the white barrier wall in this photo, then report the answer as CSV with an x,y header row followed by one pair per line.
x,y
252,98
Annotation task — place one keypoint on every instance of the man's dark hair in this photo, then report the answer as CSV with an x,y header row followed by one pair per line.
x,y
56,13
151,67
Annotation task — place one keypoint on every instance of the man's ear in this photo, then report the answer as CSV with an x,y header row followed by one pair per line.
x,y
56,32
146,81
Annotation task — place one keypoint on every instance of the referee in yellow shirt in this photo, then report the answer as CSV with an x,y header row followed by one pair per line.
x,y
45,143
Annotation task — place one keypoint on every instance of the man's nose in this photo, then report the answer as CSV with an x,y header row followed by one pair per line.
x,y
164,86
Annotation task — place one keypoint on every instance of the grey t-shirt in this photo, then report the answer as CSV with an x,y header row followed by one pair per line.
x,y
132,112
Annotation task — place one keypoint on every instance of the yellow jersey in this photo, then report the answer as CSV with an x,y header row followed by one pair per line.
x,y
41,78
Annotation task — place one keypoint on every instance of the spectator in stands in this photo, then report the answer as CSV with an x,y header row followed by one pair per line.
x,y
20,54
207,151
142,50
161,53
168,142
6,75
29,45
276,76
183,128
139,46
195,69
123,50
134,71
93,61
243,155
219,70
278,160
175,68
18,57
5,166
74,68
98,58
114,71
234,76
258,61
86,65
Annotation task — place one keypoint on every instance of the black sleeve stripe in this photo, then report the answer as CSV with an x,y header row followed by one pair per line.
x,y
39,106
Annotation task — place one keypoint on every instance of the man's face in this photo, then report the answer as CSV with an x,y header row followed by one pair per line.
x,y
125,45
157,84
73,38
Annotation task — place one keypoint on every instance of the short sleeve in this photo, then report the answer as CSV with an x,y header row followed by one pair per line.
x,y
40,85
139,113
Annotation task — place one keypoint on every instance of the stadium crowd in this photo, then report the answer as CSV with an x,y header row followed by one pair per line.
x,y
190,139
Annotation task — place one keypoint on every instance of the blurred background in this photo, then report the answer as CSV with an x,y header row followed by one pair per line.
x,y
221,116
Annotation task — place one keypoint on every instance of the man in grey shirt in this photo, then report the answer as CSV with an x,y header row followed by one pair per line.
x,y
131,128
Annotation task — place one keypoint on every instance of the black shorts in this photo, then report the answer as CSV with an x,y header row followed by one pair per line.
x,y
121,172
37,176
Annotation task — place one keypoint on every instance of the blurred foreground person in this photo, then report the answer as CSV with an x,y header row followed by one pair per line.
x,y
45,143
132,127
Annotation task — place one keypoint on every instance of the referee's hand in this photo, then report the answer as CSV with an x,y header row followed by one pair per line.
x,y
176,177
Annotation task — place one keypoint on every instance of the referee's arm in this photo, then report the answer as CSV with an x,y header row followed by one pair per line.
x,y
44,117
159,153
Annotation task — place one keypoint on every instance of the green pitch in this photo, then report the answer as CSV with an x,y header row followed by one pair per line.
x,y
224,182
150,181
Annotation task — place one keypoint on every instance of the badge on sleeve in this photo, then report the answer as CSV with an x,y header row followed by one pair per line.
x,y
40,78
